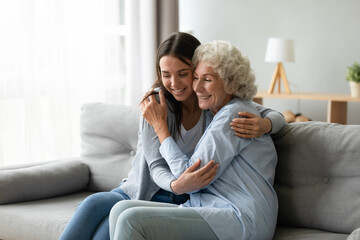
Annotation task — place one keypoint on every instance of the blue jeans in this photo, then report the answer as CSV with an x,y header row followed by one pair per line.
x,y
91,218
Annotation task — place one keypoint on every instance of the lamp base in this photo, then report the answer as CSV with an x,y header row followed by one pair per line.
x,y
278,74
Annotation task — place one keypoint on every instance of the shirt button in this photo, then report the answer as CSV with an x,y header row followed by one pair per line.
x,y
325,180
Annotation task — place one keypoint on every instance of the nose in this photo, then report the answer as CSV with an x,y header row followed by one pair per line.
x,y
173,81
197,85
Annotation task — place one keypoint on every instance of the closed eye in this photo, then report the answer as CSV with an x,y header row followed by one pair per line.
x,y
183,74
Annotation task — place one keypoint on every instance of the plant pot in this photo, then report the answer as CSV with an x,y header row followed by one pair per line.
x,y
354,89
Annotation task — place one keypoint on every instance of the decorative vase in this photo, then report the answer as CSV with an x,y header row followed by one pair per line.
x,y
354,89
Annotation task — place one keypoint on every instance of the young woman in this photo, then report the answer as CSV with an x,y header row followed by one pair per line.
x,y
240,202
150,178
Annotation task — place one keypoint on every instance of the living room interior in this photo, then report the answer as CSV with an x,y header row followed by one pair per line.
x,y
62,74
40,117
325,36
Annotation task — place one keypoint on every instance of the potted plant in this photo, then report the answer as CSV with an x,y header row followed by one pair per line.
x,y
353,76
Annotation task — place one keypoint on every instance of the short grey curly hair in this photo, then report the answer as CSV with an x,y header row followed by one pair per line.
x,y
233,68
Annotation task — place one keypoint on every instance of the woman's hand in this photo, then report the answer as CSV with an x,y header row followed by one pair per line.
x,y
156,115
250,125
193,179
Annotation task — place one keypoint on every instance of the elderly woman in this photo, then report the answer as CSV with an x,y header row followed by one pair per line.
x,y
240,202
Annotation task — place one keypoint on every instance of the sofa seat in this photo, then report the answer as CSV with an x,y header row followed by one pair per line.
x,y
41,219
292,233
317,178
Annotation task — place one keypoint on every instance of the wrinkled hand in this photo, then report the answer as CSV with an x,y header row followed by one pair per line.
x,y
252,126
193,179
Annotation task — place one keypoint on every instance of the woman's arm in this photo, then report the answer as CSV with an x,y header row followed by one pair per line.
x,y
159,169
178,162
252,126
191,180
218,143
194,179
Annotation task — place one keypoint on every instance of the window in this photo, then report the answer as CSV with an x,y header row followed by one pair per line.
x,y
54,57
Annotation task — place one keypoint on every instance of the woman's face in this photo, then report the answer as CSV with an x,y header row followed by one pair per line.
x,y
209,88
177,77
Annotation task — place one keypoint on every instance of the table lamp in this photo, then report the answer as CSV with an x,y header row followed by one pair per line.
x,y
279,50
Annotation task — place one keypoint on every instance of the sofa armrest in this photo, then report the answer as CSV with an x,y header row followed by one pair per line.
x,y
39,181
33,164
355,235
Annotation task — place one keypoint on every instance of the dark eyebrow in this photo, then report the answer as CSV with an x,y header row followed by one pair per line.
x,y
184,69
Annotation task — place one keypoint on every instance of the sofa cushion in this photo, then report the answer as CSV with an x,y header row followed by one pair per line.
x,y
43,181
41,219
318,175
109,135
292,233
355,235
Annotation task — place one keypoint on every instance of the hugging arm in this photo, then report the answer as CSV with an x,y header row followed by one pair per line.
x,y
159,169
276,118
218,143
252,126
248,125
191,180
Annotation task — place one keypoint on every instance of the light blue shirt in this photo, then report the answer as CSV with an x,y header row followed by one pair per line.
x,y
240,201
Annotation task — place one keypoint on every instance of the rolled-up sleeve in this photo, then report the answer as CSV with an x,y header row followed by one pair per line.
x,y
218,143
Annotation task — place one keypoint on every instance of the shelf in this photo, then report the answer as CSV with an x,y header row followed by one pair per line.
x,y
309,96
337,103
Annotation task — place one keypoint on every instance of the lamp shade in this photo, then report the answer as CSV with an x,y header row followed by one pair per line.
x,y
280,50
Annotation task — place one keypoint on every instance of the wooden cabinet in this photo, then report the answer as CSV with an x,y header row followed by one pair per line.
x,y
337,103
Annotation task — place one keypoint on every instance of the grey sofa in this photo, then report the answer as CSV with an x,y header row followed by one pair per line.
x,y
317,178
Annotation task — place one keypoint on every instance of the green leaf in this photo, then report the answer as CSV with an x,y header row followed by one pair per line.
x,y
353,73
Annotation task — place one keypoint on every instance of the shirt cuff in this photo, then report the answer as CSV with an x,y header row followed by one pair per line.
x,y
277,122
168,148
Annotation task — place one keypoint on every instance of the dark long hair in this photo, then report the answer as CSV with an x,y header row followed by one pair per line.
x,y
182,46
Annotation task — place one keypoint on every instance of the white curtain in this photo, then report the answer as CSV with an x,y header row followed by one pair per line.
x,y
150,22
141,44
56,55
53,58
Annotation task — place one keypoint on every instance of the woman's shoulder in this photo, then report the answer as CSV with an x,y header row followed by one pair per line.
x,y
237,105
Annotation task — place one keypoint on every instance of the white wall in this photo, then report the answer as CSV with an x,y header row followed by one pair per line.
x,y
326,35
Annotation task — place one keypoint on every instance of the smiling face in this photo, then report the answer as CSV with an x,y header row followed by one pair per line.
x,y
177,77
209,88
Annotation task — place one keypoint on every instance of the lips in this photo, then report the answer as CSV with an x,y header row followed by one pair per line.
x,y
178,90
203,97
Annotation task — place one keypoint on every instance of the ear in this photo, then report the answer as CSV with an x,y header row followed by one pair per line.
x,y
229,90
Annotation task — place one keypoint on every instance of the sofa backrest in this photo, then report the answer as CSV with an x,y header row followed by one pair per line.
x,y
318,176
109,135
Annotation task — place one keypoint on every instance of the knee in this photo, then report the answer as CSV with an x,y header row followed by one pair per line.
x,y
121,215
119,208
101,199
129,217
129,223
